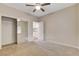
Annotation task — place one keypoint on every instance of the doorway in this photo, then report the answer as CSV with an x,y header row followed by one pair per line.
x,y
38,31
22,31
9,31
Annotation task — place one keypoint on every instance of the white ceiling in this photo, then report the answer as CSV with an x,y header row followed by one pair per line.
x,y
48,9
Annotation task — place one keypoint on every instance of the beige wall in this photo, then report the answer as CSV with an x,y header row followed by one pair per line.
x,y
62,26
14,13
78,23
0,33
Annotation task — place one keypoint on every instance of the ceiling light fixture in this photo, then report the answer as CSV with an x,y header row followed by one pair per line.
x,y
38,7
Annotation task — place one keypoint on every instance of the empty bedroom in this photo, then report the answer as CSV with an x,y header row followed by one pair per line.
x,y
39,29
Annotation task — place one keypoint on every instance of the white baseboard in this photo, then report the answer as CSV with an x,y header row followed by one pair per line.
x,y
63,44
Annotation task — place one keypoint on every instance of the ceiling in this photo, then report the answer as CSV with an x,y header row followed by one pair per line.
x,y
48,9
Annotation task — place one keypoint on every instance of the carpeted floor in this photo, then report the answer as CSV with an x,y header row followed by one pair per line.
x,y
34,49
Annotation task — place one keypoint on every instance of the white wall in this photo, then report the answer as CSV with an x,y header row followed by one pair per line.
x,y
62,26
14,13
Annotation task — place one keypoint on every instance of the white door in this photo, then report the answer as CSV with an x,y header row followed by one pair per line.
x,y
41,31
8,32
38,31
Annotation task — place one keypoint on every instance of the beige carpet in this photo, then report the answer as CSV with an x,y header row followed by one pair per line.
x,y
33,49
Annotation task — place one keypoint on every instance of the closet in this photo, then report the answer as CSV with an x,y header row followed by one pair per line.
x,y
9,30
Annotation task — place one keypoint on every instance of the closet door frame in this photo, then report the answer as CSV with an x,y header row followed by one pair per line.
x,y
1,29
